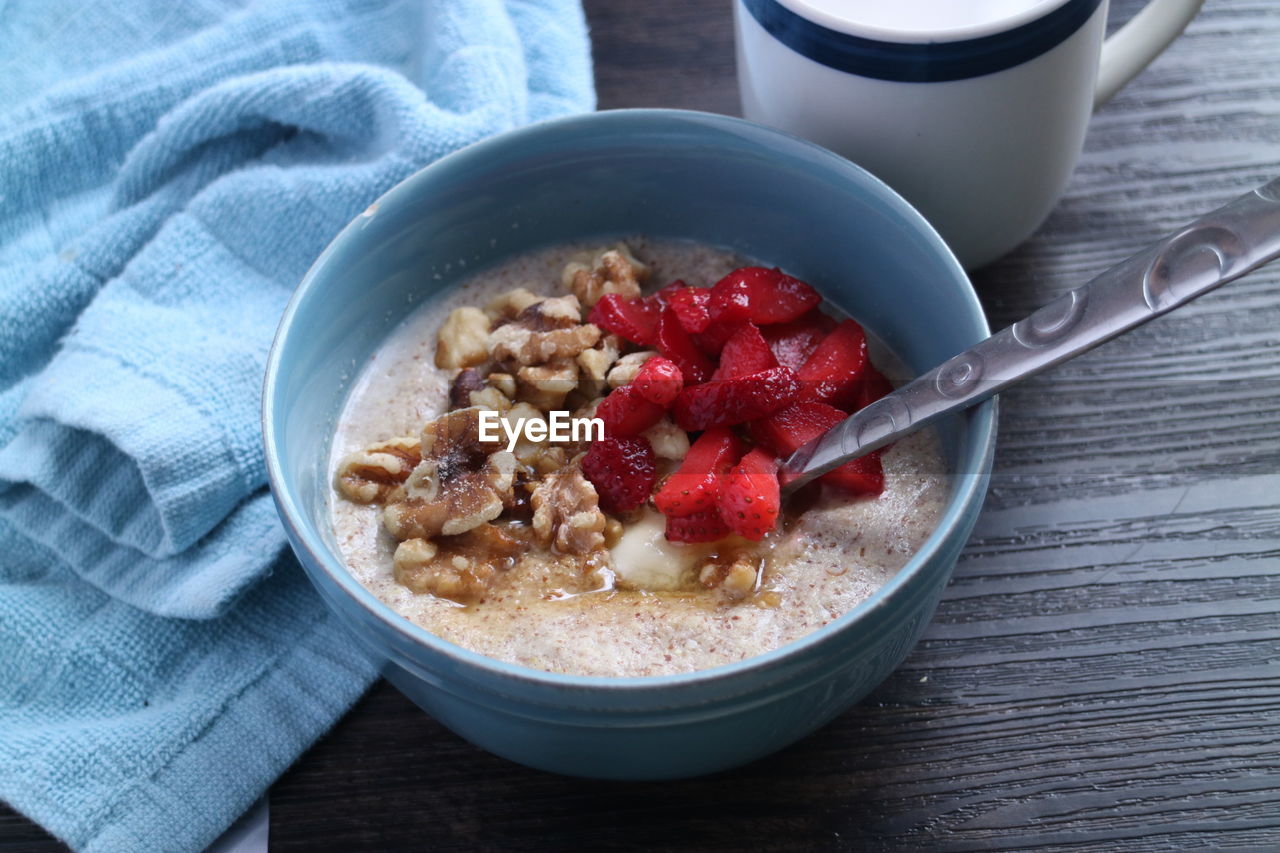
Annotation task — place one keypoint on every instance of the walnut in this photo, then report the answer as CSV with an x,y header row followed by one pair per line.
x,y
526,451
625,369
668,440
566,512
504,382
463,339
507,306
546,330
489,397
612,271
546,385
595,364
460,483
737,579
554,312
370,475
467,380
461,568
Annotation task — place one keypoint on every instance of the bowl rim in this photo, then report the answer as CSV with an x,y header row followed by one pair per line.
x,y
626,122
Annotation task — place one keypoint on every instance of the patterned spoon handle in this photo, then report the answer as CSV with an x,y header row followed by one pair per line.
x,y
1215,249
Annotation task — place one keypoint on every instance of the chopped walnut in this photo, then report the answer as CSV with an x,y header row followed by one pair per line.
x,y
613,271
463,340
460,483
468,380
463,567
489,397
668,440
625,369
504,382
525,451
370,475
737,579
554,312
539,458
546,330
546,385
566,512
507,306
595,364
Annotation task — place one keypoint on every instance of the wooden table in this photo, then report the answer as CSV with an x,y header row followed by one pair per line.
x,y
1104,671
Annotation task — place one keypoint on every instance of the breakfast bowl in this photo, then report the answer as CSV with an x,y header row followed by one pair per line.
x,y
669,174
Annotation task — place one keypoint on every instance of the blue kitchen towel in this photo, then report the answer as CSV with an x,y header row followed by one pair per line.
x,y
167,173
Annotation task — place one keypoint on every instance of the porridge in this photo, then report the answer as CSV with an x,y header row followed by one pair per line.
x,y
651,540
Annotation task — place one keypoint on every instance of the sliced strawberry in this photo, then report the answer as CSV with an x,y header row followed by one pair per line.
x,y
792,343
762,296
834,371
634,319
725,402
873,387
663,296
695,487
861,476
703,526
784,432
745,352
627,412
623,470
712,340
659,381
690,305
674,342
750,498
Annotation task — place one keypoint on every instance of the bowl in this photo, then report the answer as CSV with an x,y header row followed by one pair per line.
x,y
662,173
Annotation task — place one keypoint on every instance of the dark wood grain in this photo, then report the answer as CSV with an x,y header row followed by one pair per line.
x,y
1104,671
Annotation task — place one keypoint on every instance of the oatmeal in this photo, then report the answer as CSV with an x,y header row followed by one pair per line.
x,y
657,544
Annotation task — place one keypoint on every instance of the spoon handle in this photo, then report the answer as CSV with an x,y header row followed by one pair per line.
x,y
1217,248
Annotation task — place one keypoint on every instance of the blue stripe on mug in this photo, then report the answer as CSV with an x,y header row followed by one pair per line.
x,y
925,62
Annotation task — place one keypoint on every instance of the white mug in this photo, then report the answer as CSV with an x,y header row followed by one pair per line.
x,y
977,117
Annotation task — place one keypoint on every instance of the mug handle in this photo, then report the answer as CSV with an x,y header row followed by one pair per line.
x,y
1132,47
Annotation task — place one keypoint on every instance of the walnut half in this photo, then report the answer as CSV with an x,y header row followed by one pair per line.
x,y
566,512
546,330
461,483
370,475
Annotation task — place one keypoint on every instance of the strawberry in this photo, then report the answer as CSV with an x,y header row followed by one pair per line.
x,y
627,412
792,343
623,470
873,387
751,498
703,526
784,432
745,352
634,319
663,296
690,305
834,371
674,342
762,296
659,381
695,487
861,476
725,402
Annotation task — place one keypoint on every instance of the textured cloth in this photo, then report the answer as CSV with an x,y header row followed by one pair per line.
x,y
167,173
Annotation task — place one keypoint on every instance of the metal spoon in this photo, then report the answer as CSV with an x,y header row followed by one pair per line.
x,y
1215,249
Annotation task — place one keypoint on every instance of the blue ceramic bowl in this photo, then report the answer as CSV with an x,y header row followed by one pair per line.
x,y
666,174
